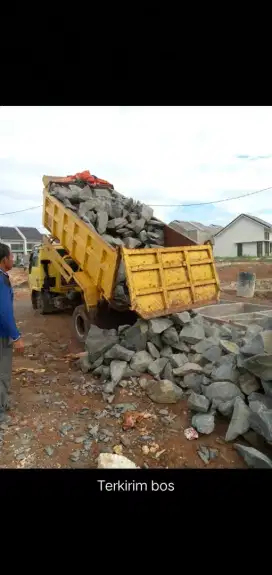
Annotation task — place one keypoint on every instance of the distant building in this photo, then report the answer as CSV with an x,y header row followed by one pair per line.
x,y
244,236
21,240
195,230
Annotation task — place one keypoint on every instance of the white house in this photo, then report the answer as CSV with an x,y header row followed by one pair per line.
x,y
195,230
245,236
20,239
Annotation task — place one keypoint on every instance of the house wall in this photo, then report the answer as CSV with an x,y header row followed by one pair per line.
x,y
242,231
250,249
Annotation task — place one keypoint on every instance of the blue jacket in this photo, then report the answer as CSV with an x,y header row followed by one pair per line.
x,y
7,322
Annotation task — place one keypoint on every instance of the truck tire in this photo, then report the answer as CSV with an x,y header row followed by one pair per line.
x,y
81,323
34,300
43,302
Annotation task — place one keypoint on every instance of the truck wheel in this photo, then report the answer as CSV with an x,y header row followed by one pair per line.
x,y
81,323
34,300
43,303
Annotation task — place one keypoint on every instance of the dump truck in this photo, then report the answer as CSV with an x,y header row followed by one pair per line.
x,y
75,268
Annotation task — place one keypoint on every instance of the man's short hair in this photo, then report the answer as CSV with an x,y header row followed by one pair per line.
x,y
4,251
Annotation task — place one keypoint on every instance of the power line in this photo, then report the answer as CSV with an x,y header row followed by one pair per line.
x,y
19,211
168,205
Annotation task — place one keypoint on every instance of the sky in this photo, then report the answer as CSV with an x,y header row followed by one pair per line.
x,y
158,155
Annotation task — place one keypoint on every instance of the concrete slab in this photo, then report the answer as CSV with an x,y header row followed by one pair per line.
x,y
235,313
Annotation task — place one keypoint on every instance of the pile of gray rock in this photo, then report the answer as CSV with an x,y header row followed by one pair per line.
x,y
221,370
120,221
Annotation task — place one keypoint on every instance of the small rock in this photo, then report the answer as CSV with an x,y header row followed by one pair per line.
x,y
187,368
240,420
153,350
49,450
192,381
164,391
157,366
253,457
114,461
178,359
229,346
198,403
117,370
260,365
141,360
190,433
65,428
204,453
261,343
224,407
225,372
267,387
213,353
119,352
85,364
125,440
168,372
170,336
101,222
192,333
261,422
181,318
166,351
80,439
159,325
75,455
163,412
267,401
248,383
132,243
203,422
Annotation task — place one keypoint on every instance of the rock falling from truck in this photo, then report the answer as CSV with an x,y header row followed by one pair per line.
x,y
120,221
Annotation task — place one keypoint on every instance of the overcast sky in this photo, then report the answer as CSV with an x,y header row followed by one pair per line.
x,y
159,155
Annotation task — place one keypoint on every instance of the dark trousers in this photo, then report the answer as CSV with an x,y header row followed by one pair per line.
x,y
6,349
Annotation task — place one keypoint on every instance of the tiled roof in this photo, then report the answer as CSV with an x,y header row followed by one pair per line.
x,y
30,233
8,233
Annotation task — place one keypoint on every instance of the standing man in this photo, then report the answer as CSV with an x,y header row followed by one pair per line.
x,y
10,337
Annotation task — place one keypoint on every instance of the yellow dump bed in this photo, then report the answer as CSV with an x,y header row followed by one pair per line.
x,y
160,280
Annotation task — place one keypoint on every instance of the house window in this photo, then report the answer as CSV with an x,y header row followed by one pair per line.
x,y
266,248
259,249
266,234
17,247
239,250
270,247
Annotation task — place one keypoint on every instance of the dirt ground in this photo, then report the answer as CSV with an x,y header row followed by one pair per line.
x,y
228,271
59,418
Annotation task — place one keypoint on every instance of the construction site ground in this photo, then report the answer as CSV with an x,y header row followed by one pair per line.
x,y
56,410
